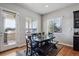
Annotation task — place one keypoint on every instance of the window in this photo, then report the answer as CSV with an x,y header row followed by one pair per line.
x,y
9,23
34,26
55,25
9,27
31,25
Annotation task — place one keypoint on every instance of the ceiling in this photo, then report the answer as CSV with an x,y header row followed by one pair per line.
x,y
43,8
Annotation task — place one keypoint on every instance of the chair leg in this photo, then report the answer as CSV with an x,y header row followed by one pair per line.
x,y
54,46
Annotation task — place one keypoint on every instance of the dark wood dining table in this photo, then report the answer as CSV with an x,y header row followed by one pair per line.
x,y
44,39
30,52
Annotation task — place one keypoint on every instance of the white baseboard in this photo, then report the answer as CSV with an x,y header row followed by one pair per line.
x,y
66,44
21,45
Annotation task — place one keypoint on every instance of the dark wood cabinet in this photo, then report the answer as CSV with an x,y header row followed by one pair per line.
x,y
76,43
76,19
76,33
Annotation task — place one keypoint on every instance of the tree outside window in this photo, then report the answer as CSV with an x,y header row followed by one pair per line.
x,y
55,25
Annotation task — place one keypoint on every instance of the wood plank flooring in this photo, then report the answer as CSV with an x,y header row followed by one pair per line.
x,y
12,52
68,51
65,51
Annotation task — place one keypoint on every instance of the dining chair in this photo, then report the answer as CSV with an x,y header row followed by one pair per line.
x,y
33,46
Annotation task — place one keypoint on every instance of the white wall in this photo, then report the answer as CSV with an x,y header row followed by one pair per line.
x,y
20,21
67,23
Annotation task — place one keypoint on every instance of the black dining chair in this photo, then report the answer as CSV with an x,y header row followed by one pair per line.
x,y
33,46
53,42
39,35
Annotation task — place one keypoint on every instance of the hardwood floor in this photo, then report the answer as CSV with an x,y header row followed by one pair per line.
x,y
68,51
65,51
12,52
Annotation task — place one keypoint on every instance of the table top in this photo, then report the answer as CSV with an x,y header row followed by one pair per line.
x,y
44,39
